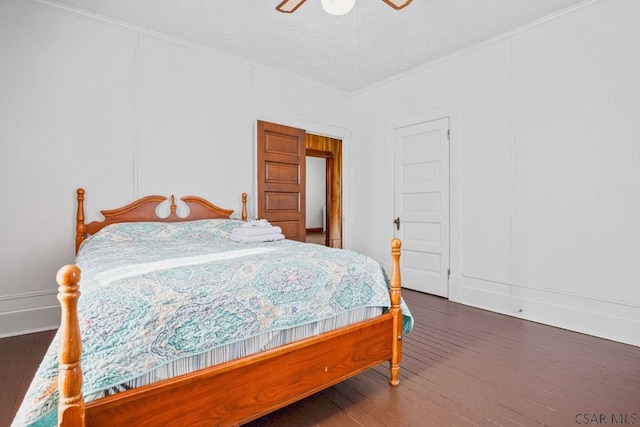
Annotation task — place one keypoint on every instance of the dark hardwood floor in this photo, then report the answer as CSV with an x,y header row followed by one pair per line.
x,y
461,366
19,358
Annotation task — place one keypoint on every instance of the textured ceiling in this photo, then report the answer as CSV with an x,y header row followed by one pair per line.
x,y
371,43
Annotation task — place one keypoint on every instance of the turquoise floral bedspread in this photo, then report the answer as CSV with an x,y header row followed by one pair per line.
x,y
153,293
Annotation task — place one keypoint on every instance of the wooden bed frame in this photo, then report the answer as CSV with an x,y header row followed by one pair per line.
x,y
232,393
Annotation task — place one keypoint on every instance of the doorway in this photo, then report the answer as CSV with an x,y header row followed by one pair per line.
x,y
316,220
281,170
330,149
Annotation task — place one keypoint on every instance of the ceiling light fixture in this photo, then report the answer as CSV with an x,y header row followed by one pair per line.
x,y
338,7
335,7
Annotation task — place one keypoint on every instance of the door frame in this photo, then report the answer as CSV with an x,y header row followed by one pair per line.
x,y
455,140
320,129
330,149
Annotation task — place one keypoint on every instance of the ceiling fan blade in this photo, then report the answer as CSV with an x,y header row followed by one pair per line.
x,y
397,4
290,6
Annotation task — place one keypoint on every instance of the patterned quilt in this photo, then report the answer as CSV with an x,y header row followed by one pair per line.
x,y
153,293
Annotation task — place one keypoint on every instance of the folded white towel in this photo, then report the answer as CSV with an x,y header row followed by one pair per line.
x,y
257,239
256,231
256,223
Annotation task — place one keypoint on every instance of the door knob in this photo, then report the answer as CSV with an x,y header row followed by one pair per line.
x,y
397,223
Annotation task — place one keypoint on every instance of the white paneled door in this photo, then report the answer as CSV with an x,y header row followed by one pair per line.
x,y
421,204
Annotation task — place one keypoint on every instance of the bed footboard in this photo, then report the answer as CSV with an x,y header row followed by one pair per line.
x,y
368,340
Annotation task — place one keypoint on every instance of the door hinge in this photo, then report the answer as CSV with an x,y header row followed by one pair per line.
x,y
448,274
449,134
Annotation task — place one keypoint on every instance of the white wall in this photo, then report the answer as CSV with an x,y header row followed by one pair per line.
x,y
545,192
316,192
124,113
545,184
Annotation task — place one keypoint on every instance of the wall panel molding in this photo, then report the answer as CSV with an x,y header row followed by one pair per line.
x,y
614,320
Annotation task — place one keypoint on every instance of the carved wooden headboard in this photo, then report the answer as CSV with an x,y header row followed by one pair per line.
x,y
144,209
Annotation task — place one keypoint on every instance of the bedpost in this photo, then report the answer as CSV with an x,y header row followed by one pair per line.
x,y
244,206
80,228
396,351
173,206
71,401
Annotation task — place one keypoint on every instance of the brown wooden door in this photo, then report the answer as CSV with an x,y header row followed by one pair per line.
x,y
281,178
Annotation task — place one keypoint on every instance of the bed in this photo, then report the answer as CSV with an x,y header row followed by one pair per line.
x,y
173,334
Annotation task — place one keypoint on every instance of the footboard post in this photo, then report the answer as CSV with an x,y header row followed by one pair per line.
x,y
396,353
71,402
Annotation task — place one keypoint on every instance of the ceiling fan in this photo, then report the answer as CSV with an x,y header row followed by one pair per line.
x,y
335,7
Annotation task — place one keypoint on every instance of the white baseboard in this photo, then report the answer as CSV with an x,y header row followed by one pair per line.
x,y
29,312
611,320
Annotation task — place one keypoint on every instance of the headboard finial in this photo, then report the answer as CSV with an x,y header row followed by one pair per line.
x,y
173,205
244,206
80,227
